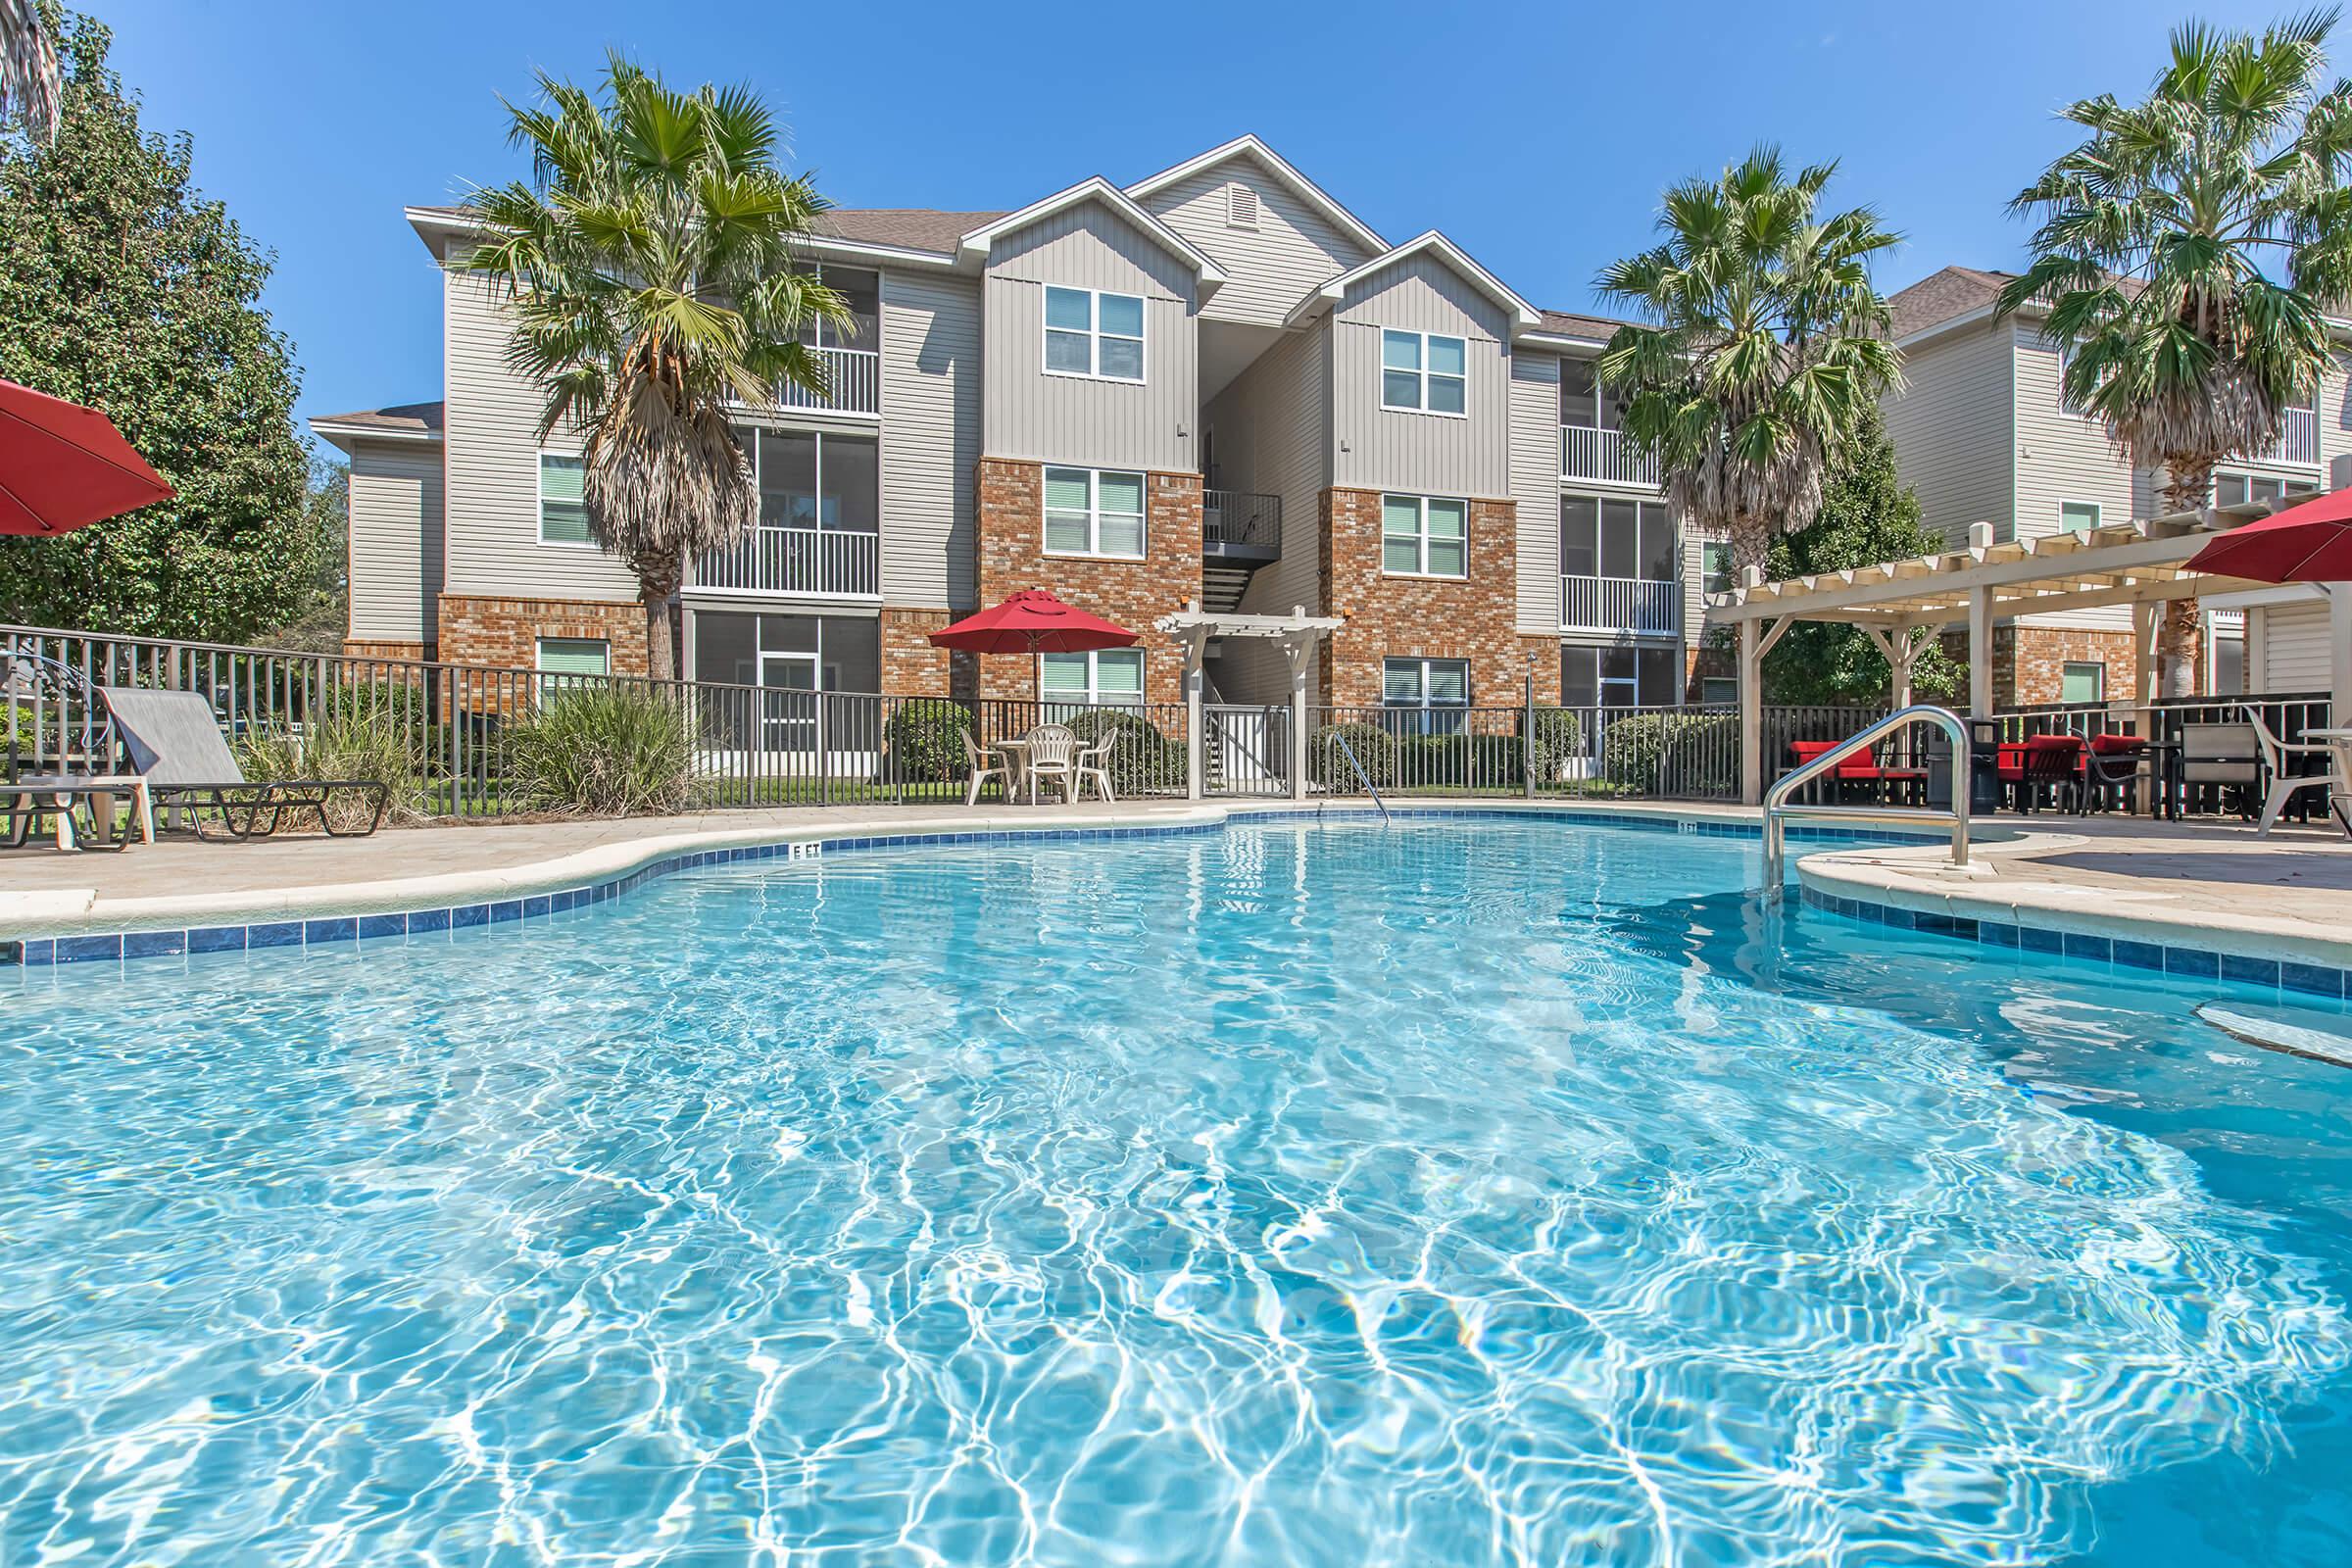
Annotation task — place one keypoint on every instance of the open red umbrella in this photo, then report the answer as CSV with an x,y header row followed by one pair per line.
x,y
1032,621
64,467
2307,543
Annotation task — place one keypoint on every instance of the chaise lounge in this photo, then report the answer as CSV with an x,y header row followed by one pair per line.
x,y
177,746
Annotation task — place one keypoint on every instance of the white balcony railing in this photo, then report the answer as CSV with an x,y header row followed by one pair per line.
x,y
1621,604
804,562
1602,454
856,380
2299,442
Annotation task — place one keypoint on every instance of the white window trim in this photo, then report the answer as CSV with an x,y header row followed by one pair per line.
x,y
1094,335
539,484
1094,697
1421,537
2098,515
2098,664
1424,373
1094,514
1427,704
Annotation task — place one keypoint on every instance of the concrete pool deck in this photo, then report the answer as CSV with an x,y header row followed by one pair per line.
x,y
2287,897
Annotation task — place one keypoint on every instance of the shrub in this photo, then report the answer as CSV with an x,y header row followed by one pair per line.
x,y
1677,754
1555,741
604,750
925,737
1374,747
346,740
1141,757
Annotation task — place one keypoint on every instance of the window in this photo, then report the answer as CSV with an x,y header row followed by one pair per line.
x,y
2228,647
1424,373
1092,333
1110,675
2238,489
562,500
575,656
1424,536
2078,516
1715,573
862,290
1620,676
1425,692
1719,691
1091,512
1585,403
1614,538
2083,683
1241,206
811,481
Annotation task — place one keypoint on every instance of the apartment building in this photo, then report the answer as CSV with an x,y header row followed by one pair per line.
x,y
1214,384
1983,433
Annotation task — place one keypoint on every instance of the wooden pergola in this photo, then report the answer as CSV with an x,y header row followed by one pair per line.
x,y
1905,605
1298,634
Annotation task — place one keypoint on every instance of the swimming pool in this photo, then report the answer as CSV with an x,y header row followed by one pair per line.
x,y
1451,1194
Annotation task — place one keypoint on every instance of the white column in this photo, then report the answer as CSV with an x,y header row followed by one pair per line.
x,y
1196,763
2147,623
1301,647
1751,712
1979,653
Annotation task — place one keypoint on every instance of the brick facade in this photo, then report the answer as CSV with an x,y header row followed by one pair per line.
x,y
2027,662
913,668
503,633
1128,593
1474,617
360,647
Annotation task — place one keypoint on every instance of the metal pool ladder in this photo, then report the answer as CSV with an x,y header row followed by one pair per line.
x,y
1362,777
1776,806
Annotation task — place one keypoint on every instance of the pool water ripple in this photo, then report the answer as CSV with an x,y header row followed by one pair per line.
x,y
1452,1195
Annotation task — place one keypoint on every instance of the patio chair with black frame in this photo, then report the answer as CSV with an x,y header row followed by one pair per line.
x,y
174,740
62,755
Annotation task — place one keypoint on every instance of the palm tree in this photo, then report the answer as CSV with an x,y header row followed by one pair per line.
x,y
2186,253
650,263
1763,346
28,72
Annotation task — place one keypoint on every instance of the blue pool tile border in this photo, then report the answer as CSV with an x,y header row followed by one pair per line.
x,y
2195,963
348,933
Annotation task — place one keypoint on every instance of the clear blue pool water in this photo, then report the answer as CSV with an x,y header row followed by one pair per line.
x,y
1458,1194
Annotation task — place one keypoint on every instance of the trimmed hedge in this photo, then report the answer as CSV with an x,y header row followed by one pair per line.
x,y
1679,753
1375,750
1141,757
925,735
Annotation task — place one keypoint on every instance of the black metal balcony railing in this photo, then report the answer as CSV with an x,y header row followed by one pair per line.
x,y
1238,517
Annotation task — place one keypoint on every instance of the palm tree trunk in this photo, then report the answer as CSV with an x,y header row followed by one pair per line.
x,y
2188,486
1751,540
658,577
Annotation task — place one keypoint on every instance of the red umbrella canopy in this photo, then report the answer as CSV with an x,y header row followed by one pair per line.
x,y
64,467
2307,543
1032,621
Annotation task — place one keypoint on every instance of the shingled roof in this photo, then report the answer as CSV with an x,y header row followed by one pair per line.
x,y
915,228
400,419
1941,296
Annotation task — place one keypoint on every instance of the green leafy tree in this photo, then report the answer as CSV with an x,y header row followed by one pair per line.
x,y
122,288
1867,517
2188,252
1760,347
652,263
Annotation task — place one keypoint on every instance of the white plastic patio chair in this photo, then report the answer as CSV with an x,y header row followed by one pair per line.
x,y
2285,786
982,771
1051,754
1094,763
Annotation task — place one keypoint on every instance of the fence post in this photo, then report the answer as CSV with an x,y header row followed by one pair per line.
x,y
1527,733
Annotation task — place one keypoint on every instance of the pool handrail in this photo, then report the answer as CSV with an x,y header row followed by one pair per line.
x,y
1778,807
1362,777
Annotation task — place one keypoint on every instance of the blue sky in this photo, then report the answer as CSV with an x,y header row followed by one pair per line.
x,y
1537,136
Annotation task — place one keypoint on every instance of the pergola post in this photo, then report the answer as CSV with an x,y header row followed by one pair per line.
x,y
1979,653
1300,648
1755,640
1196,760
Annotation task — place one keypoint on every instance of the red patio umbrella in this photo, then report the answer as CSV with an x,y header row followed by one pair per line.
x,y
2307,543
1032,621
64,467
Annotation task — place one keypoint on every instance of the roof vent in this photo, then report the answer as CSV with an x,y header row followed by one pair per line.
x,y
1241,206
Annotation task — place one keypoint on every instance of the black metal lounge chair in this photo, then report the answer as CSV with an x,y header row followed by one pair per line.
x,y
176,743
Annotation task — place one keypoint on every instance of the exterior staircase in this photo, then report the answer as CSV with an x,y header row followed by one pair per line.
x,y
1240,533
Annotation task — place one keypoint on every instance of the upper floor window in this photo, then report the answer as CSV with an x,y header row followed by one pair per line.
x,y
1092,513
1424,536
562,500
1715,572
1585,403
816,481
2078,516
1424,373
1625,539
1089,332
862,290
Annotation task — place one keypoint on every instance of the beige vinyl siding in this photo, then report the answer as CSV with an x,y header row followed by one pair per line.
x,y
2063,458
1952,430
930,439
2335,416
1424,454
396,543
1535,449
1062,418
1272,440
2294,647
1269,268
1693,547
493,449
